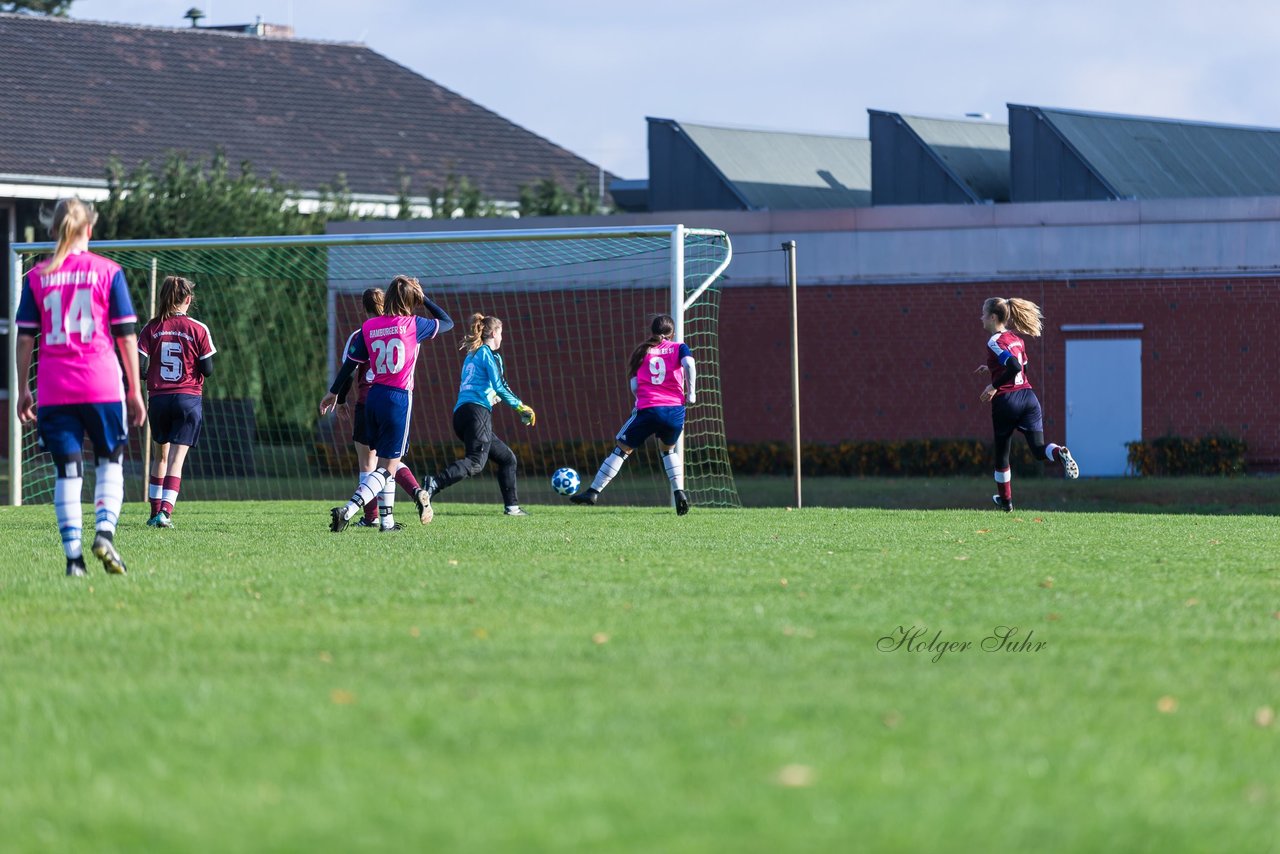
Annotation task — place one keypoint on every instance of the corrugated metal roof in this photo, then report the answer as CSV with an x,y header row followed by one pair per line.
x,y
1152,158
772,170
977,152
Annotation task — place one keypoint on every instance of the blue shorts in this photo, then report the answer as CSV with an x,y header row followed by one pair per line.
x,y
665,422
360,425
175,418
386,413
1017,410
62,428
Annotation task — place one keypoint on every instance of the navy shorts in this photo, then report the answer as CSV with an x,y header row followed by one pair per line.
x,y
176,418
360,426
665,422
386,413
1017,410
62,428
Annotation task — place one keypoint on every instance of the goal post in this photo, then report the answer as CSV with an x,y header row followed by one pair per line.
x,y
574,303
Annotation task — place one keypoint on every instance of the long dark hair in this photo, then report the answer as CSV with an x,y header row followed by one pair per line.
x,y
173,293
404,296
662,328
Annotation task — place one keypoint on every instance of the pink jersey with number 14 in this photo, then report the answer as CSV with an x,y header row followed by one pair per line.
x,y
660,378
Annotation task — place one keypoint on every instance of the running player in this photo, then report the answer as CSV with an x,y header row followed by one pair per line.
x,y
483,384
1014,406
78,304
179,351
662,379
372,300
389,345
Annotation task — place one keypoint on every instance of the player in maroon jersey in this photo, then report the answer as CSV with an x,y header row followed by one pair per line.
x,y
1014,406
372,300
180,352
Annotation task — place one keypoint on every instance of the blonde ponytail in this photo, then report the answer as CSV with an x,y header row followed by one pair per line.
x,y
482,326
1018,315
70,216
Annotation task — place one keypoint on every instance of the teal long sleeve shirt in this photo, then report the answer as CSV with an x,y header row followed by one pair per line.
x,y
484,380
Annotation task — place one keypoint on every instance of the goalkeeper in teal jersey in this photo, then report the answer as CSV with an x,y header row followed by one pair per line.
x,y
483,384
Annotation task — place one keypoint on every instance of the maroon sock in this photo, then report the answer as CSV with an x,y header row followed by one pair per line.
x,y
371,510
157,485
171,486
407,481
1004,488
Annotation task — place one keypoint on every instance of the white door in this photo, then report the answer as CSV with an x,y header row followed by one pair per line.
x,y
1104,403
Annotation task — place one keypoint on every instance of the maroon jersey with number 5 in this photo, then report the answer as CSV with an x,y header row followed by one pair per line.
x,y
173,347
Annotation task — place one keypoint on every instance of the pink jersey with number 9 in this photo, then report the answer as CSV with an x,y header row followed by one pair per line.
x,y
660,377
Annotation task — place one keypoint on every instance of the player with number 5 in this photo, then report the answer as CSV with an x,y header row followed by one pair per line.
x,y
78,304
389,345
662,379
179,350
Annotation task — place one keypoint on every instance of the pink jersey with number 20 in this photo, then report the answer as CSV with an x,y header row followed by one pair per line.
x,y
660,378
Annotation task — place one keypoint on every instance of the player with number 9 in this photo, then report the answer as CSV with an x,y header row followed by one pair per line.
x,y
179,351
388,344
78,303
662,379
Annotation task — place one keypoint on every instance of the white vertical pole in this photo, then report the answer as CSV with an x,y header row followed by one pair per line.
x,y
146,426
15,428
332,329
677,309
790,248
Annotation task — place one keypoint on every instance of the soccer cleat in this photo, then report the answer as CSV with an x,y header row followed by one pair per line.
x,y
105,550
395,526
152,522
513,511
365,523
1068,463
164,520
587,496
338,520
75,567
422,500
1005,504
682,503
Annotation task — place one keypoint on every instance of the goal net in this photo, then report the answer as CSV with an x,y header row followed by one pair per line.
x,y
574,303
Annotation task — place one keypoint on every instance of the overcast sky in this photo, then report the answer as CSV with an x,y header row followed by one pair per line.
x,y
585,74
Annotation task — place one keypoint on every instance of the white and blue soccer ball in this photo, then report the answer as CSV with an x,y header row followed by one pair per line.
x,y
565,481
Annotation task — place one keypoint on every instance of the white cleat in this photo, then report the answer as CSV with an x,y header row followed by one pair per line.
x,y
1068,463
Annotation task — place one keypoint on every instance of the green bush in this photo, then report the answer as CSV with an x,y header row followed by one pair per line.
x,y
1175,455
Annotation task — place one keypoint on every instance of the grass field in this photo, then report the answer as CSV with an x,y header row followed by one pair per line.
x,y
620,679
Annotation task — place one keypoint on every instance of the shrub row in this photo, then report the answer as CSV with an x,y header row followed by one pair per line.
x,y
1175,455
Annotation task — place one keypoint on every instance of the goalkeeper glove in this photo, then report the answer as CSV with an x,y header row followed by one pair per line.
x,y
527,415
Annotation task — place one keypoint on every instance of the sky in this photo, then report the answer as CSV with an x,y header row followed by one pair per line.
x,y
586,74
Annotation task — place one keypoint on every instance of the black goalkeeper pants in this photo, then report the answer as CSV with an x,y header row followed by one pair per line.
x,y
473,424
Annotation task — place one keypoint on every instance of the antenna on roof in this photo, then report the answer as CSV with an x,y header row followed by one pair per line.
x,y
194,15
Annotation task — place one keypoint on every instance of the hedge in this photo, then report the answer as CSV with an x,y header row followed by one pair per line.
x,y
1175,455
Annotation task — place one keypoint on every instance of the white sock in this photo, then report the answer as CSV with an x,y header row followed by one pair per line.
x,y
155,491
66,499
609,469
374,482
1048,451
108,494
675,468
386,504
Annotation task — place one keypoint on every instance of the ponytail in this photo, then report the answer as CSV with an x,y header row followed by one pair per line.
x,y
1019,315
70,216
173,293
661,329
482,326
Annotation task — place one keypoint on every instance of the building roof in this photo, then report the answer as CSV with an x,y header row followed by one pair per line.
x,y
771,170
976,152
1152,158
73,93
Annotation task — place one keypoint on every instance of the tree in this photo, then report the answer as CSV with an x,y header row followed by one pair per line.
x,y
548,198
38,7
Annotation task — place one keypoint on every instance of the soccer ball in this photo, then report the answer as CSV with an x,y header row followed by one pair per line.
x,y
565,481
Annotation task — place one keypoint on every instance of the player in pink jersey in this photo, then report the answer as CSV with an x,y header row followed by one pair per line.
x,y
78,304
372,300
1014,406
179,350
662,379
389,346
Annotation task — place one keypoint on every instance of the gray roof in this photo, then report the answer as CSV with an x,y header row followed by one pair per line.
x,y
976,152
771,170
1152,158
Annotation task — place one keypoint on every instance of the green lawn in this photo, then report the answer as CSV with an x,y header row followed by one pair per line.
x,y
621,679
